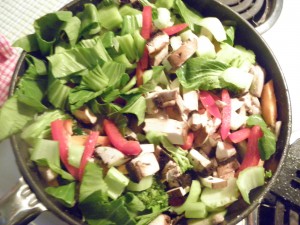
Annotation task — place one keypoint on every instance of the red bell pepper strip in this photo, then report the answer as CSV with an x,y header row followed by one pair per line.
x,y
252,155
226,115
60,131
239,135
189,141
139,74
145,59
118,141
175,29
209,103
147,22
88,151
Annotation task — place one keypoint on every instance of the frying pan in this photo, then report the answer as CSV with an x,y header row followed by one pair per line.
x,y
28,199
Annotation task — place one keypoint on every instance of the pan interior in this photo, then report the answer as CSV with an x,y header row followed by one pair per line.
x,y
246,36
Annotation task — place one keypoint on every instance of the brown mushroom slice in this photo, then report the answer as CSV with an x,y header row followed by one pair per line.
x,y
162,219
155,60
186,50
227,170
157,42
48,175
144,165
213,182
258,80
165,98
170,174
85,115
177,192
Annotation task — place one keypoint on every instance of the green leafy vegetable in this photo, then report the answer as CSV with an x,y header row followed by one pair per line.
x,y
201,73
154,198
14,115
39,127
64,193
46,153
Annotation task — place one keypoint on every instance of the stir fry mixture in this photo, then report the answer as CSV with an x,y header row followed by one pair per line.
x,y
143,113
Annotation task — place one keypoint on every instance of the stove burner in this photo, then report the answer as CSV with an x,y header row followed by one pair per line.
x,y
262,14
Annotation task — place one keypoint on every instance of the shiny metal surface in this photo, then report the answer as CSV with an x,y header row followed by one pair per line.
x,y
20,205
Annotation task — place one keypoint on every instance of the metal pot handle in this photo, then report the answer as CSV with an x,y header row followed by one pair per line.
x,y
287,184
20,206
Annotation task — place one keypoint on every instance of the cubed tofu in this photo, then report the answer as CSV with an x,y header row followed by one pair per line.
x,y
111,156
176,131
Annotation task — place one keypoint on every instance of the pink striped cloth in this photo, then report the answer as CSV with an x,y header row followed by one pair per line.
x,y
8,60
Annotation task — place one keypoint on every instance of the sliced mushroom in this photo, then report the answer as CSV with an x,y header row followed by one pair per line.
x,y
156,59
85,115
162,219
197,120
258,80
165,98
190,100
147,148
186,50
200,162
212,125
200,137
176,196
213,182
177,192
111,156
224,151
144,165
170,174
227,170
48,175
157,42
251,103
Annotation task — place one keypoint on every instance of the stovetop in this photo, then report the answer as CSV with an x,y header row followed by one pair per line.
x,y
282,39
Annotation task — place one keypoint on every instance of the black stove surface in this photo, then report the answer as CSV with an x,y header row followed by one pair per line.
x,y
262,14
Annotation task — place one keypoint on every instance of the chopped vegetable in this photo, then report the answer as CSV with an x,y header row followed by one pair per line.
x,y
268,104
147,22
226,114
61,133
117,140
239,135
175,29
159,96
209,103
252,156
88,151
250,178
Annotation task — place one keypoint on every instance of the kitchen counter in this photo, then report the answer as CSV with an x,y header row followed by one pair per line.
x,y
281,38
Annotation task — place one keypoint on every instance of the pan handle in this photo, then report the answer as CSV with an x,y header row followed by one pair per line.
x,y
287,184
20,206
